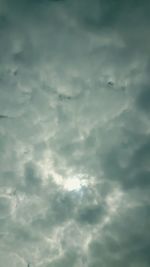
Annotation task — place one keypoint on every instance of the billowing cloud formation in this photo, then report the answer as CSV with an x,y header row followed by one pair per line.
x,y
74,133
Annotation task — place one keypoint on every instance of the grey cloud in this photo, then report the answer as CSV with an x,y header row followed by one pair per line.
x,y
74,87
90,215
124,242
69,259
143,100
32,181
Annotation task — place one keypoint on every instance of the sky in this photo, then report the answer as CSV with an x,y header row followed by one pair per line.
x,y
74,133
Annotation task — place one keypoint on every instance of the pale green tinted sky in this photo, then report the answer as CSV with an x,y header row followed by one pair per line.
x,y
74,133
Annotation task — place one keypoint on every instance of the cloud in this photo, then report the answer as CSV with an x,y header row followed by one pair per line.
x,y
144,99
123,242
74,133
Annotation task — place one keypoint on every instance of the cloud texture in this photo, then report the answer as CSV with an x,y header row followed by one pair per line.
x,y
74,133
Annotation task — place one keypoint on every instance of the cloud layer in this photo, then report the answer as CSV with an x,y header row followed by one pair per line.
x,y
74,133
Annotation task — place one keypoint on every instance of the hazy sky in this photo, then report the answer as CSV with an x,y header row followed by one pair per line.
x,y
74,133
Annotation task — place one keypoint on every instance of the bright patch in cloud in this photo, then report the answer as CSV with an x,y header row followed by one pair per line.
x,y
74,184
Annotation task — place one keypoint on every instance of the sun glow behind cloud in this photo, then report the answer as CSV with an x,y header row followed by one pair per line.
x,y
68,182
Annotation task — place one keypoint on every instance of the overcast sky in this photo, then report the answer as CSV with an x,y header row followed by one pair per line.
x,y
74,133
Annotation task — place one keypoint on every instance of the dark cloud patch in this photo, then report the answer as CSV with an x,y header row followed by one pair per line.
x,y
63,208
31,180
4,23
91,215
108,15
125,242
68,259
143,100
